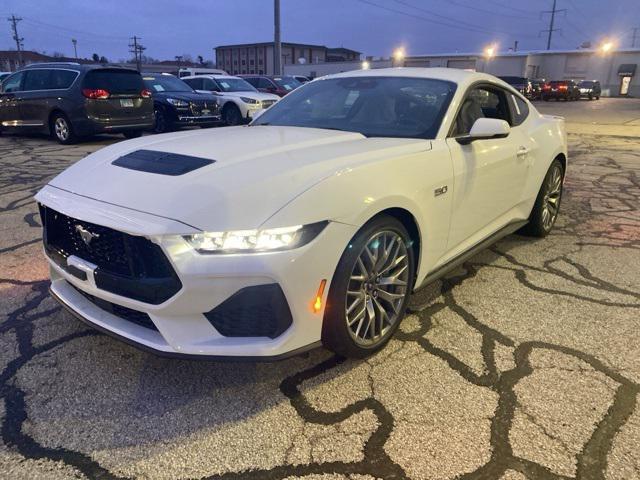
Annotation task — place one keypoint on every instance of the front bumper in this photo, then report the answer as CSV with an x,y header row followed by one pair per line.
x,y
185,120
181,327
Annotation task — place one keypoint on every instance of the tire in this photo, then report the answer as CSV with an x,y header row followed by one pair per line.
x,y
590,97
357,273
540,224
62,129
232,116
132,133
162,124
597,97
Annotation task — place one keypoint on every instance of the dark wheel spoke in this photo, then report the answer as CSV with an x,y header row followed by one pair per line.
x,y
377,287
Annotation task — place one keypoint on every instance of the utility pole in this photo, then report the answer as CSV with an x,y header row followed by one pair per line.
x,y
136,48
552,20
277,46
515,46
75,47
635,36
19,40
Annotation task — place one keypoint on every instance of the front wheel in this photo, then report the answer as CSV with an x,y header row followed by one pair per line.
x,y
370,289
232,116
162,124
547,206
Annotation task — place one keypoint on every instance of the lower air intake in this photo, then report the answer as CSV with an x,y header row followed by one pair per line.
x,y
258,311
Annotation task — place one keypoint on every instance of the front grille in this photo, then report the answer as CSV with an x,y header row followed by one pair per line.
x,y
258,311
195,109
133,316
127,265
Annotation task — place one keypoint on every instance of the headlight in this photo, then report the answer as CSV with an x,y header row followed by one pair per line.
x,y
249,100
177,103
253,241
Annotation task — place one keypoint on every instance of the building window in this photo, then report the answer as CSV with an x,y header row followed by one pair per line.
x,y
252,71
244,72
259,61
244,62
252,62
261,72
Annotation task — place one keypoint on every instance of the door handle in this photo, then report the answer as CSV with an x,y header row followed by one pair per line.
x,y
522,152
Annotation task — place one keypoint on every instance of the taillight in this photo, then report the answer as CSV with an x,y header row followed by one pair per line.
x,y
546,86
146,93
562,87
95,93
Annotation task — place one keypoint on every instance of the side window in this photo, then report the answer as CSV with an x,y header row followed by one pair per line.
x,y
519,110
266,83
195,83
13,83
481,102
253,81
37,80
62,79
211,85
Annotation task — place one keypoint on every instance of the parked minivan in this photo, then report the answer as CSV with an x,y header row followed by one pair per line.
x,y
69,101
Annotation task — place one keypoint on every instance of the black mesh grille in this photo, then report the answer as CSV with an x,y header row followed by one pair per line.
x,y
127,265
259,311
133,316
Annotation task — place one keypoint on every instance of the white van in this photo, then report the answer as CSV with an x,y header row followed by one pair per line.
x,y
187,72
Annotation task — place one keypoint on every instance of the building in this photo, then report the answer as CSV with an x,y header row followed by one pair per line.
x,y
257,58
617,70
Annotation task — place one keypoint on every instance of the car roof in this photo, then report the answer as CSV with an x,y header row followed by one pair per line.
x,y
455,75
76,66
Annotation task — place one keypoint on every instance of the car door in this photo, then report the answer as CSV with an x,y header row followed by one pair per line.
x,y
10,98
489,175
44,90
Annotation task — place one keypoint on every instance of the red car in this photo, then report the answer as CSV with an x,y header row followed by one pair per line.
x,y
279,85
560,89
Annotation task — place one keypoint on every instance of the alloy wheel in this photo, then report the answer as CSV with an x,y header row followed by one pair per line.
x,y
61,128
551,204
377,288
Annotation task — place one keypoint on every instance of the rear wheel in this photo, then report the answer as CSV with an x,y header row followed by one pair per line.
x,y
547,206
62,129
369,290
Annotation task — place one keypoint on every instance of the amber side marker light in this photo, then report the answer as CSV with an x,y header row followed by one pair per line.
x,y
317,303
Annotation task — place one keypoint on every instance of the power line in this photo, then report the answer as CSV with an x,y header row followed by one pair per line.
x,y
635,36
456,25
137,49
19,40
478,9
552,19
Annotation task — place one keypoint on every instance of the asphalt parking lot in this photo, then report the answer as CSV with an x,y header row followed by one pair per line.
x,y
523,364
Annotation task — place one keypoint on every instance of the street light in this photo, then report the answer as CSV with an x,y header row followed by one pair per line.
x,y
366,65
606,46
398,56
489,53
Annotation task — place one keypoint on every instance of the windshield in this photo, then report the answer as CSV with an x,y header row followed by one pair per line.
x,y
166,83
288,83
586,84
373,106
235,85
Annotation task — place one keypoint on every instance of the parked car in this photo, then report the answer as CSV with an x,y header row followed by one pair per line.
x,y
536,88
560,90
522,84
176,104
277,85
590,89
312,224
69,101
239,99
302,78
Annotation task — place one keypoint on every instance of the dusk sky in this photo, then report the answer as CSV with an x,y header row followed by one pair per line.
x,y
374,27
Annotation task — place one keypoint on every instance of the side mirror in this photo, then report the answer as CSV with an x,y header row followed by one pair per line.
x,y
485,129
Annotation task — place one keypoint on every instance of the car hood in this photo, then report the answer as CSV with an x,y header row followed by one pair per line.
x,y
254,95
186,96
256,171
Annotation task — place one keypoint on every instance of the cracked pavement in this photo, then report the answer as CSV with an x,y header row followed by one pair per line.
x,y
522,364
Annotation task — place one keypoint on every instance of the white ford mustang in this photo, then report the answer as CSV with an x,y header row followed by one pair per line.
x,y
311,225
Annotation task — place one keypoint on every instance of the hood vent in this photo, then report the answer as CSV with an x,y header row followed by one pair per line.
x,y
162,163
